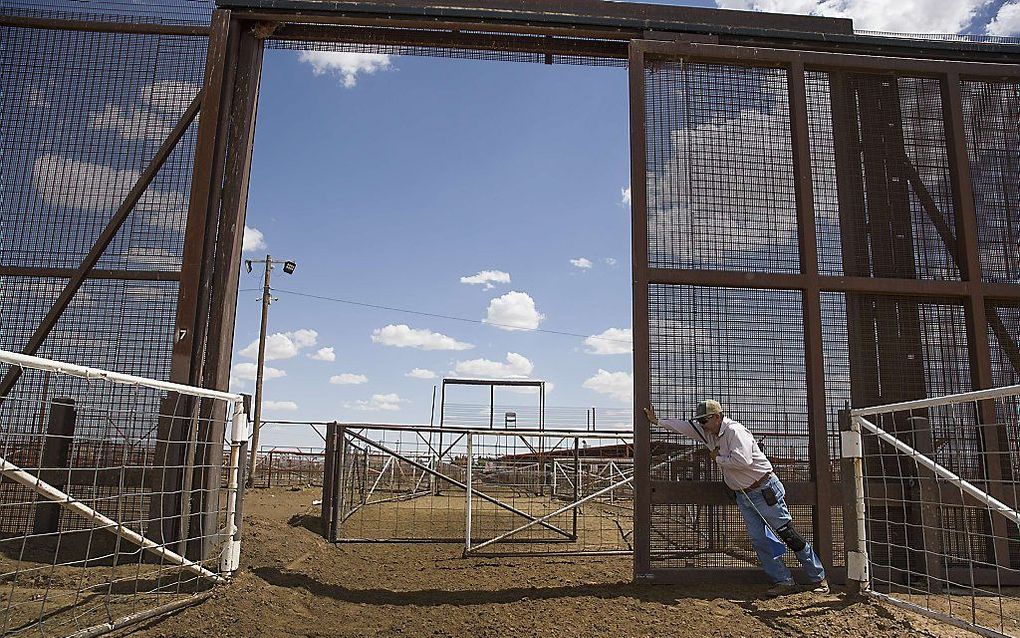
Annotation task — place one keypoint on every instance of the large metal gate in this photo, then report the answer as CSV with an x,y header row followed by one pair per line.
x,y
812,230
820,217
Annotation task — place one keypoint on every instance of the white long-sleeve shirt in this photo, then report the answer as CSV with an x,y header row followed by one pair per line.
x,y
742,461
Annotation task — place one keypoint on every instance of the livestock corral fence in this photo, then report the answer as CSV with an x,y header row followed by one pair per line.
x,y
935,526
505,491
115,504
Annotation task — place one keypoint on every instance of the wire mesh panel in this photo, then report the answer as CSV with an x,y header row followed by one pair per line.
x,y
530,492
148,11
991,113
720,168
103,515
745,348
941,515
289,466
883,190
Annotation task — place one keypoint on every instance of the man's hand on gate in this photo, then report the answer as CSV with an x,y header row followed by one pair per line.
x,y
650,413
714,453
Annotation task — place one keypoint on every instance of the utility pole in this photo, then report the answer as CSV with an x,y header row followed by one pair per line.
x,y
288,267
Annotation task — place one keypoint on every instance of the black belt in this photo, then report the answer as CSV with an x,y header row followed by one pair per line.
x,y
758,483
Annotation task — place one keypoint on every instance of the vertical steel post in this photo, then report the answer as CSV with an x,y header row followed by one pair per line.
x,y
639,277
468,492
821,470
54,462
577,481
855,529
328,482
979,346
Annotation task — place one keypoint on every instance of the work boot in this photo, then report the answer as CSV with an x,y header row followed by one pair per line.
x,y
821,587
782,588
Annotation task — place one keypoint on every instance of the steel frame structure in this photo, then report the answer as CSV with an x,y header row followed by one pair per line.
x,y
631,34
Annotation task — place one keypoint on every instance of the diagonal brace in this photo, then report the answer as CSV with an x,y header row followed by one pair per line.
x,y
77,279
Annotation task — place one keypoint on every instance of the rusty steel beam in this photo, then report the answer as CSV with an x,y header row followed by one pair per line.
x,y
585,13
821,467
77,278
640,273
98,26
814,60
550,45
830,283
95,273
979,344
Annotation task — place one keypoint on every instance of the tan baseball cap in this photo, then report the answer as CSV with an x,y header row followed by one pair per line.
x,y
708,407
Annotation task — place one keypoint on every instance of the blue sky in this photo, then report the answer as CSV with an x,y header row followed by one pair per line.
x,y
390,191
390,179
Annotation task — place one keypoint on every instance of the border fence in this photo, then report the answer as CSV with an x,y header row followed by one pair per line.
x,y
934,526
104,519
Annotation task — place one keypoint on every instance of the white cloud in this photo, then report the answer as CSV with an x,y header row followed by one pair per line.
x,y
619,385
131,123
323,354
582,262
611,341
253,240
282,345
249,371
348,378
487,277
149,258
403,336
625,196
517,366
170,96
161,104
1006,21
346,66
421,373
384,402
905,16
62,181
610,261
514,311
280,406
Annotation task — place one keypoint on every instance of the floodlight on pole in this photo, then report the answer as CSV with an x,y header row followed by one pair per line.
x,y
288,267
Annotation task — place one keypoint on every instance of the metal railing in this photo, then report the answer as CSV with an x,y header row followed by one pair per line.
x,y
934,506
105,517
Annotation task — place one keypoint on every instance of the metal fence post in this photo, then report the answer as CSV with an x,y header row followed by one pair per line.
x,y
855,532
467,505
54,462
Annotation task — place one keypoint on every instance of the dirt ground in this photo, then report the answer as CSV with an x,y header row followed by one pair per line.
x,y
294,583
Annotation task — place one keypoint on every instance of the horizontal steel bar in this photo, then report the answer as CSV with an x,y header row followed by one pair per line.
x,y
827,283
40,363
924,611
768,56
550,45
715,493
95,273
97,26
992,503
584,13
920,404
68,502
426,429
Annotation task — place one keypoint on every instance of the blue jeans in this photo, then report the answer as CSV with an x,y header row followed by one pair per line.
x,y
777,515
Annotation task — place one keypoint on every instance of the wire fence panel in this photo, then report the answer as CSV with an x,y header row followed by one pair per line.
x,y
103,514
941,513
289,467
530,492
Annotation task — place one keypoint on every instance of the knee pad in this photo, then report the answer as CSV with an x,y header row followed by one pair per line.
x,y
790,536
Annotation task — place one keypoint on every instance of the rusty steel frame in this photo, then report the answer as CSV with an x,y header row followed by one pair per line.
x,y
636,33
819,493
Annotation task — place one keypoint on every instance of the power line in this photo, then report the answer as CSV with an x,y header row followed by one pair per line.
x,y
433,315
